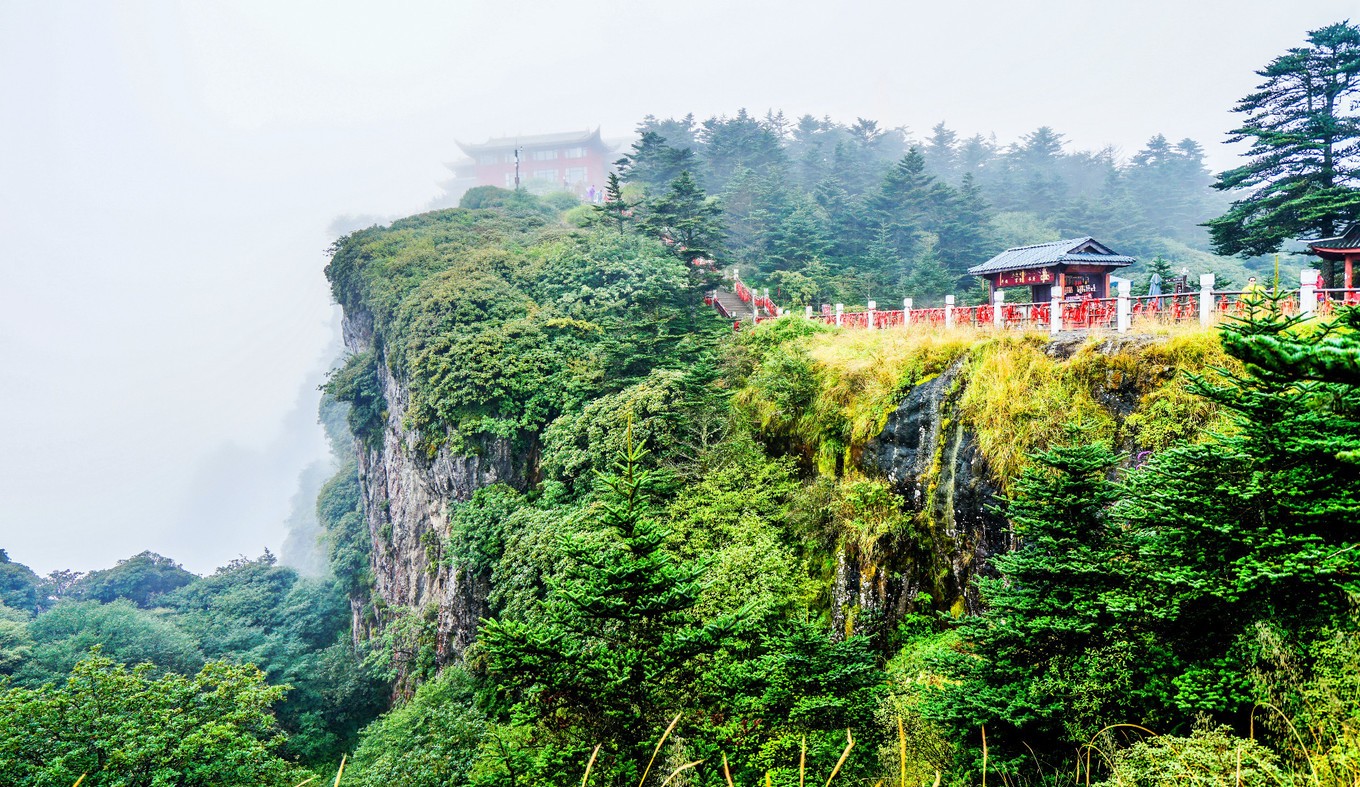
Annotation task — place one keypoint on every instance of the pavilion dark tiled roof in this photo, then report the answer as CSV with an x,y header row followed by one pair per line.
x,y
1043,255
1350,239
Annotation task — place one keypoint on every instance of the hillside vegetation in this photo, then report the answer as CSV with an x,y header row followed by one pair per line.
x,y
582,529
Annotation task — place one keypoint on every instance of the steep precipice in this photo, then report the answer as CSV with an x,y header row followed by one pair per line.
x,y
490,347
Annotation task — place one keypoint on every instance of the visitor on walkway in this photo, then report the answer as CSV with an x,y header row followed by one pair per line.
x,y
1254,296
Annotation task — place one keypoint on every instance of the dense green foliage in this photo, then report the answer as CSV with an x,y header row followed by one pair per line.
x,y
1178,590
123,728
20,588
141,579
498,324
614,648
64,635
251,612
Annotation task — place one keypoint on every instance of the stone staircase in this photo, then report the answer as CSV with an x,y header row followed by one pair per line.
x,y
732,305
727,302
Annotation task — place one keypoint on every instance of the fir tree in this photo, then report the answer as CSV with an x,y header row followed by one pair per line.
x,y
941,152
1162,268
610,660
654,164
928,279
1257,525
615,209
798,240
966,237
1302,177
687,219
908,202
1046,661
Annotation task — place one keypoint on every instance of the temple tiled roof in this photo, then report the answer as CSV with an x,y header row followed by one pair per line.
x,y
1350,239
530,141
1043,255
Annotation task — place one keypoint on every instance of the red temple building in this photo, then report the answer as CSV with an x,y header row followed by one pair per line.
x,y
573,161
1079,267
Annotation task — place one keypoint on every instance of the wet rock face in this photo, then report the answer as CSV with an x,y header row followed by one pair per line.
x,y
406,497
931,459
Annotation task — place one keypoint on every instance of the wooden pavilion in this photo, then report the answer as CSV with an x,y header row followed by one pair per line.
x,y
1344,248
1079,267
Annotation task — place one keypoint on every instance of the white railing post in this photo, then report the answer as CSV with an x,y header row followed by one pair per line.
x,y
873,306
1206,299
1308,292
949,311
1123,313
906,311
1055,305
807,312
998,300
840,314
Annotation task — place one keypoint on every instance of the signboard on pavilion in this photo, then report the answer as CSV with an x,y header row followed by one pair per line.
x,y
1024,278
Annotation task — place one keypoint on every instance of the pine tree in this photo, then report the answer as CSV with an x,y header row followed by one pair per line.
x,y
1257,525
615,209
1302,177
614,652
1045,664
654,164
687,219
966,239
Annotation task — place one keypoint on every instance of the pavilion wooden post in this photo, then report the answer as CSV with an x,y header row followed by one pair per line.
x,y
1349,282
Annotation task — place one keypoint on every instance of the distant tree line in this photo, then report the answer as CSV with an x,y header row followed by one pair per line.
x,y
821,210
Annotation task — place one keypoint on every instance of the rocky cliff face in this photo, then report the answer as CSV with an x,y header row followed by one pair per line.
x,y
406,498
928,452
930,457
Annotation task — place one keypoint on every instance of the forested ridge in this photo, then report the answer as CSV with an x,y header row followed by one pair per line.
x,y
906,556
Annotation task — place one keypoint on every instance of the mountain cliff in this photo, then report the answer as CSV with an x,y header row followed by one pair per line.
x,y
494,348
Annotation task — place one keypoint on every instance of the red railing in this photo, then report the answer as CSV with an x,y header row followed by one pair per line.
x,y
1175,308
1328,300
1076,315
760,302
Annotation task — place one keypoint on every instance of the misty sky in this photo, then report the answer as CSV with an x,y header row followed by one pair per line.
x,y
168,172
